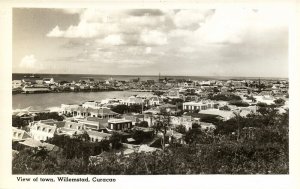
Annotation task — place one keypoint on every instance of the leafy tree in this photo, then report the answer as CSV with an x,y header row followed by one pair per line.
x,y
239,103
180,129
279,102
224,97
226,108
48,115
116,140
261,104
143,124
120,109
18,122
141,136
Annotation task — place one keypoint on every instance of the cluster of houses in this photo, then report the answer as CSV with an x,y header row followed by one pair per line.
x,y
99,121
33,84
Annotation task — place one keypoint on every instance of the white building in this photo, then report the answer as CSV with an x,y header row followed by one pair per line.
x,y
19,134
42,131
201,105
48,80
16,83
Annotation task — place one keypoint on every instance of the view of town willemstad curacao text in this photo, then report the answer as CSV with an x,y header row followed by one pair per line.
x,y
150,91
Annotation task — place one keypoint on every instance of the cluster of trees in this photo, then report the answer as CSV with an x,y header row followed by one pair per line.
x,y
231,97
19,122
256,144
122,108
48,115
226,108
238,103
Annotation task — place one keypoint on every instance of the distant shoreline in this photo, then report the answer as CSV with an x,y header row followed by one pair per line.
x,y
14,75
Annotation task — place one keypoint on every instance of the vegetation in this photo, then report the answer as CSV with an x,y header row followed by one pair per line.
x,y
18,122
226,108
122,108
279,102
180,129
48,115
224,97
239,103
143,124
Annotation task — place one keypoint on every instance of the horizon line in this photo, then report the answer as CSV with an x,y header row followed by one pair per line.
x,y
161,75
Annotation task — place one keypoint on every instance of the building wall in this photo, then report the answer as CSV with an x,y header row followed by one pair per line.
x,y
120,126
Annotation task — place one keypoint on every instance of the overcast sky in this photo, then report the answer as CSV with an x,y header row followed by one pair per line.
x,y
213,42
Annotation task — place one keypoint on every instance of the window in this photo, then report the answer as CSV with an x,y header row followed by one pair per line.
x,y
38,128
44,129
49,130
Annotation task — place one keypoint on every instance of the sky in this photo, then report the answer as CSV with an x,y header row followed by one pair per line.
x,y
187,42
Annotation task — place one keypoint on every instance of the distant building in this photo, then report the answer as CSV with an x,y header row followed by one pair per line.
x,y
91,104
119,124
155,101
201,105
172,94
16,83
80,111
133,100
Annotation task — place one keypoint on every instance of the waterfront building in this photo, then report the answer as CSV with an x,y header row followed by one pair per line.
x,y
48,80
91,104
35,89
80,111
133,101
16,84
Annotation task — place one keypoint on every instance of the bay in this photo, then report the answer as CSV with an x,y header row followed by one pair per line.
x,y
50,100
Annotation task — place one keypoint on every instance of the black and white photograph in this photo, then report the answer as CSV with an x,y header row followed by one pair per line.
x,y
149,91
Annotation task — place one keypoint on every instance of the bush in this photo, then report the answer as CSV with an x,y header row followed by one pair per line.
x,y
224,97
239,103
226,108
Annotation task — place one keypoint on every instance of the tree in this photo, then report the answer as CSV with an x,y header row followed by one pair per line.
x,y
143,124
48,115
239,103
116,140
226,108
192,135
83,137
120,109
141,136
18,122
180,129
161,124
279,102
